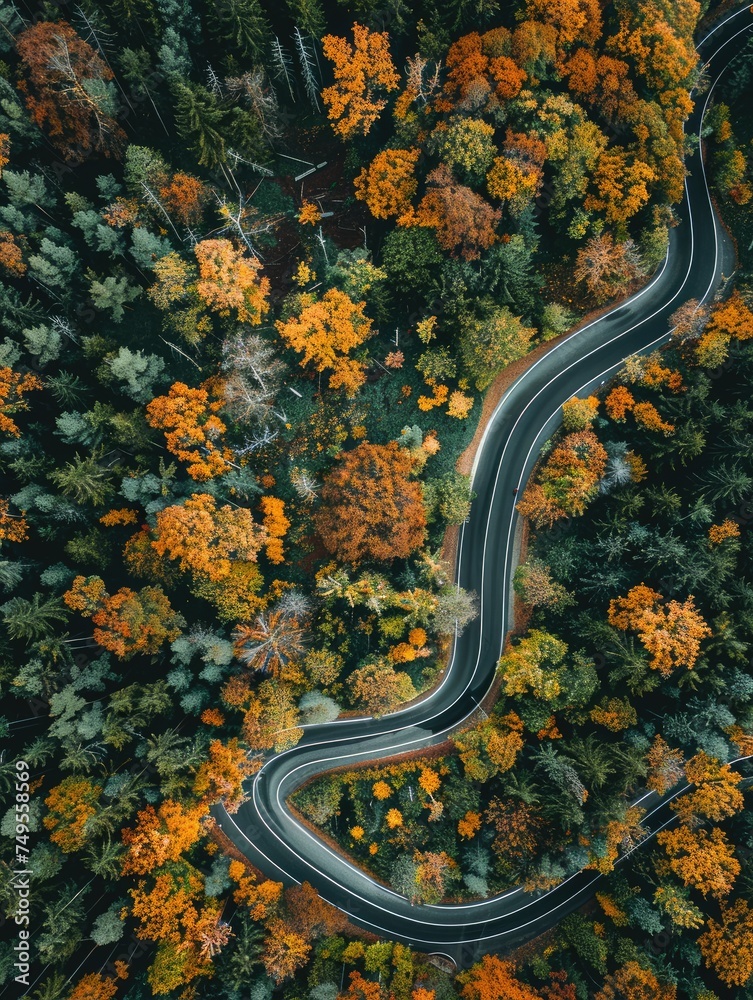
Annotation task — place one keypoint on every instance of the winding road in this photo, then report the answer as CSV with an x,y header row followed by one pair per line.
x,y
700,254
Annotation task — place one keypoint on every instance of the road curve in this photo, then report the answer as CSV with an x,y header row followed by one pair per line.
x,y
700,255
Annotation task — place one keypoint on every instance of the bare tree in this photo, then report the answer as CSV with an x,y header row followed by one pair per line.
x,y
687,322
76,91
255,88
283,64
304,484
422,81
307,59
253,374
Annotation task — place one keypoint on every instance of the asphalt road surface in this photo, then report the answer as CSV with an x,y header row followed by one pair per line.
x,y
699,258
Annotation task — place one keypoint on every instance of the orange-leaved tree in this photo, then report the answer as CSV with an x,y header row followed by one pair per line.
x,y
463,221
670,631
606,265
262,896
518,828
277,525
11,256
206,539
185,197
490,747
13,527
325,331
636,982
65,84
665,766
93,986
229,282
220,777
376,687
285,951
363,72
13,388
160,835
389,182
703,860
311,916
371,509
716,795
127,622
70,804
574,20
193,431
568,481
727,947
493,978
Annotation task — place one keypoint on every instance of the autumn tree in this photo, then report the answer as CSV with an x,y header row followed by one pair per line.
x,y
174,294
579,414
480,68
518,826
262,896
728,320
665,766
127,622
325,331
68,90
727,946
13,388
674,901
13,527
466,146
636,982
185,197
377,688
271,718
193,430
310,916
371,509
493,978
435,871
276,639
622,183
205,539
573,20
490,747
606,266
568,480
285,951
670,631
11,256
716,795
534,584
532,664
70,805
389,182
463,221
619,403
220,777
277,525
93,986
160,835
229,282
703,860
363,72
660,48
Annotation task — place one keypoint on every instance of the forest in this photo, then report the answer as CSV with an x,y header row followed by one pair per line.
x,y
261,265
